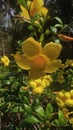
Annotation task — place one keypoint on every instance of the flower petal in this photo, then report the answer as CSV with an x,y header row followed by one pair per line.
x,y
52,50
53,66
36,73
31,47
38,90
35,6
22,61
24,13
43,11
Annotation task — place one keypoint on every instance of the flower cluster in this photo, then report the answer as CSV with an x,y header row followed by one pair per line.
x,y
65,101
40,84
5,60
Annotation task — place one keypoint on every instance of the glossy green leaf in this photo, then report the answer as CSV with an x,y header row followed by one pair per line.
x,y
17,109
62,120
26,101
27,108
49,109
59,20
31,119
23,3
40,111
56,122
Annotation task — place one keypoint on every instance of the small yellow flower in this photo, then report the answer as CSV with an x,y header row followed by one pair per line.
x,y
38,90
40,84
67,95
71,93
47,79
37,86
60,102
60,95
33,84
38,60
35,7
5,60
69,102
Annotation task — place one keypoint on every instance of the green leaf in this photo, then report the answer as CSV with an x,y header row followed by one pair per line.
x,y
36,102
62,120
61,116
59,20
40,111
23,3
26,101
27,108
56,122
58,26
49,109
31,119
17,109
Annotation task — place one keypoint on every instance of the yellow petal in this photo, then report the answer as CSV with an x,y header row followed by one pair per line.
x,y
38,90
52,50
35,6
43,11
36,73
22,61
24,13
31,47
53,66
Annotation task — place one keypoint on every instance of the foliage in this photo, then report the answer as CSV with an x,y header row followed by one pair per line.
x,y
29,101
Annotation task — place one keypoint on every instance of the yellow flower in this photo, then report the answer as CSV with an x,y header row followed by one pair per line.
x,y
47,79
35,7
38,90
69,102
38,60
40,84
71,94
5,60
60,95
37,86
60,102
67,95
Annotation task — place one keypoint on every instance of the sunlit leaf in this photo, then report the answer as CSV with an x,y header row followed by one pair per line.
x,y
40,111
32,119
49,109
23,3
